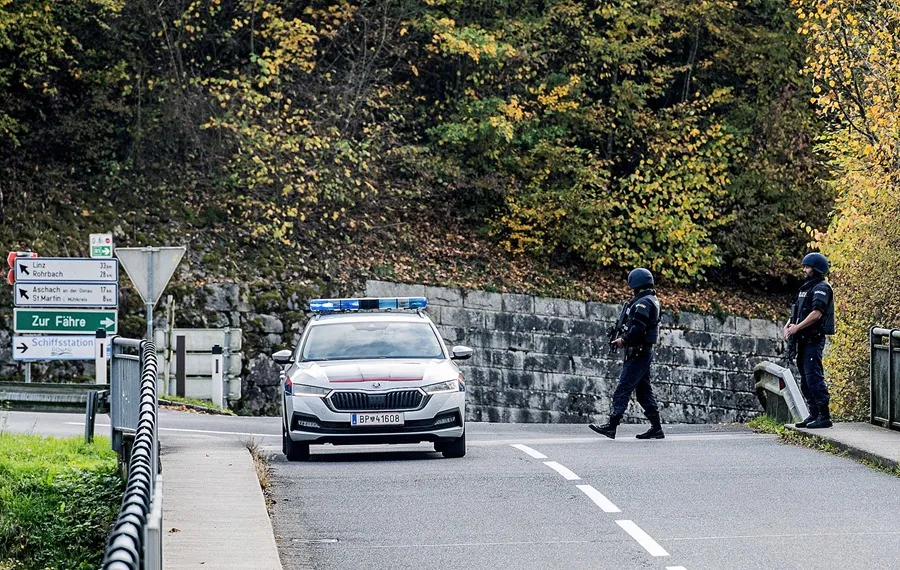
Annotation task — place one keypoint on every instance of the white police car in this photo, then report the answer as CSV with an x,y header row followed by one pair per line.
x,y
372,370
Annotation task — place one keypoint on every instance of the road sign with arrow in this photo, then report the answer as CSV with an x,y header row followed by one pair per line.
x,y
66,294
66,269
65,321
66,347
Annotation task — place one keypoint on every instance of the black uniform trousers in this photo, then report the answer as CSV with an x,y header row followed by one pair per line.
x,y
812,374
635,378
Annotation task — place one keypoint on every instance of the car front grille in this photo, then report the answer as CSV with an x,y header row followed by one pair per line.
x,y
359,401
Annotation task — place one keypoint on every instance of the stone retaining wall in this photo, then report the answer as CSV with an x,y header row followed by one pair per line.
x,y
536,359
546,360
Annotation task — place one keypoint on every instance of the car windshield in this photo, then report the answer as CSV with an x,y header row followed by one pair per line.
x,y
384,339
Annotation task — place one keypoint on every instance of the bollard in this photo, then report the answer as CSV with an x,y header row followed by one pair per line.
x,y
218,377
101,357
90,414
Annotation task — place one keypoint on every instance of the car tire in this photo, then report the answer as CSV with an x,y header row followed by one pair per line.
x,y
292,450
455,447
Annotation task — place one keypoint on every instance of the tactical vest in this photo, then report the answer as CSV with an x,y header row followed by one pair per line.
x,y
825,326
651,335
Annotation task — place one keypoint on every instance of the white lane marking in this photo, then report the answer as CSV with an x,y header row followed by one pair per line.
x,y
529,451
642,538
562,470
599,499
197,431
675,568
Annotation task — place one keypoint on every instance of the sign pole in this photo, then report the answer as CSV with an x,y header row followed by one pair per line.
x,y
150,296
28,373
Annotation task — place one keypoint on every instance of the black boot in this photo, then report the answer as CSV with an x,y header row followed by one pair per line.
x,y
655,431
609,428
805,423
823,421
813,414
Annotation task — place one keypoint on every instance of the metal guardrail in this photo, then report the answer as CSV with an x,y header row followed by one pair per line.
x,y
125,378
135,542
778,392
46,396
884,377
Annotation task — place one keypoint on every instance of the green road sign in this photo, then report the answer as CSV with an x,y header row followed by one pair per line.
x,y
101,245
65,321
101,251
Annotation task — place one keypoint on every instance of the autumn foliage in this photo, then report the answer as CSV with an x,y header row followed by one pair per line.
x,y
676,135
855,68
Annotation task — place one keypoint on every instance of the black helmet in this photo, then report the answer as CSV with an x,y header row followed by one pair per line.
x,y
817,261
640,277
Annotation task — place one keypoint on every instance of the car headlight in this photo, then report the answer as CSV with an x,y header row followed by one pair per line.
x,y
304,390
448,386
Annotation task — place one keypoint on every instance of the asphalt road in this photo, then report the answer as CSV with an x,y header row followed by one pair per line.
x,y
558,496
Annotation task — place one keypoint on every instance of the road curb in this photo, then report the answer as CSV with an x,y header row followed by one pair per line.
x,y
821,435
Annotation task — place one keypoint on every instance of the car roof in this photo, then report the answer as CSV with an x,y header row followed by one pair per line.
x,y
375,316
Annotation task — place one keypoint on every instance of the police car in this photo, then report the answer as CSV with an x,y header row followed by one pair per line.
x,y
372,370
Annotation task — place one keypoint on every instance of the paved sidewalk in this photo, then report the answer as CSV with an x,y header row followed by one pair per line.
x,y
214,511
860,440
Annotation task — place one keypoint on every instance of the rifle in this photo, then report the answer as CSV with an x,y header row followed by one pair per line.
x,y
791,352
612,333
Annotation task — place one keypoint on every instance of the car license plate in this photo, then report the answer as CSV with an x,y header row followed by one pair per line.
x,y
382,419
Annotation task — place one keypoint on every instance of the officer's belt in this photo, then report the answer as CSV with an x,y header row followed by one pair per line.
x,y
637,350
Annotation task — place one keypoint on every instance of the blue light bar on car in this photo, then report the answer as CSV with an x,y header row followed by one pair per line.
x,y
367,304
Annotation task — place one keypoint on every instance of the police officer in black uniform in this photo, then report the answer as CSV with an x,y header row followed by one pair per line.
x,y
815,319
641,331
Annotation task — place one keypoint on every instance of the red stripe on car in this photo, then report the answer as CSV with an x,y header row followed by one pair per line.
x,y
376,380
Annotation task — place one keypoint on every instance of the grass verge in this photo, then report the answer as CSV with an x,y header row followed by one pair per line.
x,y
261,463
58,501
194,404
766,424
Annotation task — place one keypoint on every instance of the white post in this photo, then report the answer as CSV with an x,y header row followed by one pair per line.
x,y
100,358
219,392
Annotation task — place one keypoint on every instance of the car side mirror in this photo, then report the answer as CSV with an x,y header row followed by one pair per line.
x,y
461,353
283,357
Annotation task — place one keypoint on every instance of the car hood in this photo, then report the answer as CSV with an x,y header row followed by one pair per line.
x,y
389,374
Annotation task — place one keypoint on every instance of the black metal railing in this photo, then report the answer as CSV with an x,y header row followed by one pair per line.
x,y
135,541
884,377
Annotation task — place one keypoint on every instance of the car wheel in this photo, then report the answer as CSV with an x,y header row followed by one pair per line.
x,y
292,450
455,448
